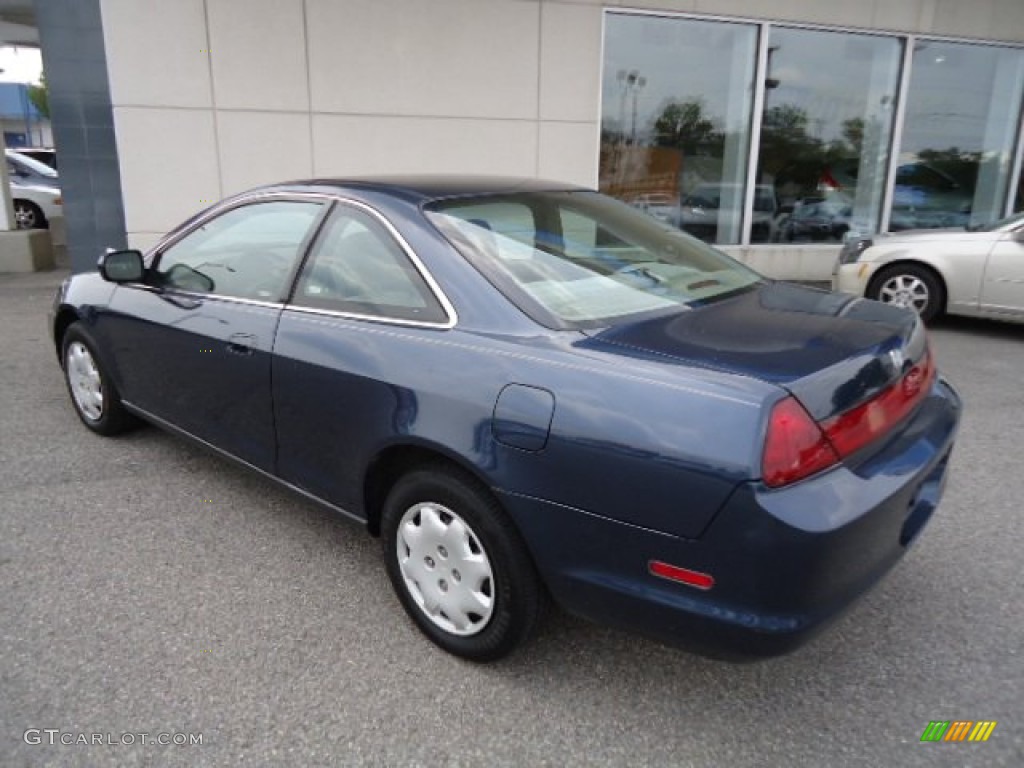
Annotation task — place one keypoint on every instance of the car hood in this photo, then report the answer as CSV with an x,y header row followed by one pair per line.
x,y
932,236
36,187
830,350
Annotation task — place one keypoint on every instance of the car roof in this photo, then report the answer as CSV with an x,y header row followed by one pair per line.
x,y
424,188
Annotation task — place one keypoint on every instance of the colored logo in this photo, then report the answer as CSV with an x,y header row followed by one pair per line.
x,y
958,730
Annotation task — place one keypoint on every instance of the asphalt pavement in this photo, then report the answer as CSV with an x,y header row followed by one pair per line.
x,y
149,588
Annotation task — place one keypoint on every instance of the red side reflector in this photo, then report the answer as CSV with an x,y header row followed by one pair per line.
x,y
682,575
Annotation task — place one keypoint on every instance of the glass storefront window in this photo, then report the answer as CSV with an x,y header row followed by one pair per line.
x,y
829,108
959,134
677,99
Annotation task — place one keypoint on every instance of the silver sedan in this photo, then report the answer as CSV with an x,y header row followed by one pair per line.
x,y
978,272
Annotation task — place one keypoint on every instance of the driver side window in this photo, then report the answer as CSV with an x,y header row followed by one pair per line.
x,y
247,252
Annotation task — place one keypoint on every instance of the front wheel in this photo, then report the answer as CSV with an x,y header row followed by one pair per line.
x,y
93,394
910,286
28,215
459,566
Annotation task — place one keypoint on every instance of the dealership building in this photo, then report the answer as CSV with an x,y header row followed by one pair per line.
x,y
773,128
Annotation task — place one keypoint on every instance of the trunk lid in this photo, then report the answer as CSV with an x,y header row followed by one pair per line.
x,y
831,351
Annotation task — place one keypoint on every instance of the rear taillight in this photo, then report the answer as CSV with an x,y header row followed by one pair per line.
x,y
796,446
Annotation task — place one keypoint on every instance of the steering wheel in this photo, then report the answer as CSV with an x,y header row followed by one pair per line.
x,y
269,270
642,271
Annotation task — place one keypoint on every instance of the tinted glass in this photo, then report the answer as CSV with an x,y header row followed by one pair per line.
x,y
357,267
248,252
958,137
677,100
580,259
825,132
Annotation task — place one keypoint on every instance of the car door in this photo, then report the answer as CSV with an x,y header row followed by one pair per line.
x,y
352,354
192,346
1002,289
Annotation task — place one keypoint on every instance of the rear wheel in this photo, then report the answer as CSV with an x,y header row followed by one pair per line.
x,y
459,566
93,394
911,286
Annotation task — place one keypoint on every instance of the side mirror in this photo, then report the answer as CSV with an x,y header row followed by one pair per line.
x,y
121,266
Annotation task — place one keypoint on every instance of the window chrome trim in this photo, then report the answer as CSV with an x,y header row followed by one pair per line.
x,y
625,10
1015,168
327,198
896,139
383,319
226,205
451,316
756,121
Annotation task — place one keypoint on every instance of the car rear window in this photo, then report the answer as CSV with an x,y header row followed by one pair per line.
x,y
583,260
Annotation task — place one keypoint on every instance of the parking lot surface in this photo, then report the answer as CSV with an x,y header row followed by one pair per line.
x,y
148,587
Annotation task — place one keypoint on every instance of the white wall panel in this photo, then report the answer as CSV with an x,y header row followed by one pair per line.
x,y
263,148
367,145
964,19
157,53
568,152
258,52
443,58
570,61
168,163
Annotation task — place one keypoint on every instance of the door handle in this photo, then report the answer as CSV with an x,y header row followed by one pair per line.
x,y
241,343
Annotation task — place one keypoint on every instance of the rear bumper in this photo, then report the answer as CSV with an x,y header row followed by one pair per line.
x,y
785,562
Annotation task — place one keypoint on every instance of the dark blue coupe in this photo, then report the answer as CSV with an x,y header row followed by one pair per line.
x,y
530,391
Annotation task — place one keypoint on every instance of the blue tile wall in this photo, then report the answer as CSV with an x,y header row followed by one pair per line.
x,y
71,37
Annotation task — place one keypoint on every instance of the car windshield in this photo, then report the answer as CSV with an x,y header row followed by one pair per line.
x,y
583,260
32,165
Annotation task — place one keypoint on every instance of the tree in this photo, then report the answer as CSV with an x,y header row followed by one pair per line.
x,y
853,132
39,95
682,125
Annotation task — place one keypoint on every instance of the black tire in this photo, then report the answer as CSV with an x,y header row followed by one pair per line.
x,y
420,502
93,395
912,286
28,215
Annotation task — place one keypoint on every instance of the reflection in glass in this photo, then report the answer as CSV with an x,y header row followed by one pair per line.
x,y
675,125
956,152
825,133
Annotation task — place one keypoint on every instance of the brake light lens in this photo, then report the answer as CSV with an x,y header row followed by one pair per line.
x,y
796,446
849,432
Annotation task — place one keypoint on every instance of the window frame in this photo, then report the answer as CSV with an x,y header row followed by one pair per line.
x,y
330,200
153,257
420,269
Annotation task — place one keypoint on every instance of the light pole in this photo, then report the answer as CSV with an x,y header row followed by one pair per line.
x,y
631,82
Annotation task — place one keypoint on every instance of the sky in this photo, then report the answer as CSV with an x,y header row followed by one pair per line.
x,y
20,65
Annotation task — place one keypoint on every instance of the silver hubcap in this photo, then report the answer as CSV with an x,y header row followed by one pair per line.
x,y
445,569
84,378
24,217
905,291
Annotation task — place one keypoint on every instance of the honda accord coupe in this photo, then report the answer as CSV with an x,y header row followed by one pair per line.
x,y
531,393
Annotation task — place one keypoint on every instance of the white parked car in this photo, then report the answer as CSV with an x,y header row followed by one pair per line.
x,y
978,272
35,191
